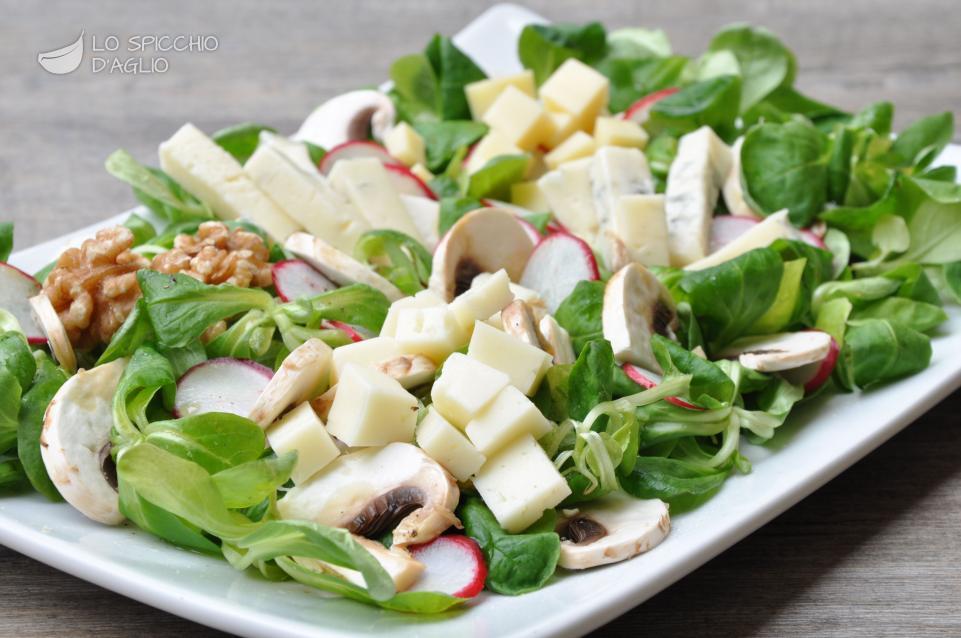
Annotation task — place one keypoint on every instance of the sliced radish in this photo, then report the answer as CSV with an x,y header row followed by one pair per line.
x,y
16,289
813,375
556,265
555,226
640,110
453,565
727,228
346,328
294,278
221,385
353,150
406,182
647,380
808,236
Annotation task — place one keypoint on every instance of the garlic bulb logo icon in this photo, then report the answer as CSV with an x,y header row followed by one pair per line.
x,y
64,60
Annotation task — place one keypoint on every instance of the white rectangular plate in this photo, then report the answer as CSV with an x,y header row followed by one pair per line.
x,y
821,439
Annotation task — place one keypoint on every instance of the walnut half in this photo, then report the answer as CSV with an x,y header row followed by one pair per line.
x,y
217,255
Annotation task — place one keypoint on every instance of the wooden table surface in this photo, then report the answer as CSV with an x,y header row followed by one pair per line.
x,y
873,553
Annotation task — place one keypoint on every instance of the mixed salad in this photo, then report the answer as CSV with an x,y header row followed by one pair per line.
x,y
470,330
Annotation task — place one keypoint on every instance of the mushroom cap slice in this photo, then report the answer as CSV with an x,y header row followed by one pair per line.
x,y
403,568
75,442
555,340
483,240
346,117
337,266
636,307
49,321
518,320
781,351
370,490
303,375
410,370
611,530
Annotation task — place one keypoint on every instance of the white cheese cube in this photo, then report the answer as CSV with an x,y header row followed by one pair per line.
x,y
576,89
524,364
618,171
482,301
425,213
405,144
367,184
528,296
370,408
568,191
578,145
364,353
301,431
448,446
529,195
423,299
521,118
640,223
508,417
614,131
494,144
519,484
212,175
481,94
465,387
433,332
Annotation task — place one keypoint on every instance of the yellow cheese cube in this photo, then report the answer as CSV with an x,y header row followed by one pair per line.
x,y
301,431
492,145
482,300
508,417
465,387
564,126
577,89
480,95
421,171
423,299
536,167
433,332
521,118
365,353
519,483
578,145
405,144
640,223
523,363
370,408
530,196
613,131
448,446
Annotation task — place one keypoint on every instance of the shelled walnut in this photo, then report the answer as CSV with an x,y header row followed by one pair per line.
x,y
217,255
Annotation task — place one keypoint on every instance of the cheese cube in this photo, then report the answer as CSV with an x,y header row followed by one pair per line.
x,y
483,300
523,363
421,171
448,446
492,145
528,296
578,145
530,196
508,417
465,387
640,223
405,144
364,353
433,332
214,177
521,118
480,95
568,191
370,408
576,89
536,167
301,431
564,125
369,186
613,131
519,483
423,299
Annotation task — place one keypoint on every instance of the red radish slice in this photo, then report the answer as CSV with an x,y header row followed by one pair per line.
x,y
727,228
16,289
221,385
556,265
531,230
647,380
554,226
808,236
814,375
639,111
406,182
346,328
294,278
354,150
453,565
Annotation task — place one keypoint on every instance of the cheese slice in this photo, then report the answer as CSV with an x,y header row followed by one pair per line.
x,y
775,226
732,190
367,184
212,175
568,192
615,172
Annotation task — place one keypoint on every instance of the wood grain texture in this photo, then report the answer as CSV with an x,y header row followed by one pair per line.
x,y
873,553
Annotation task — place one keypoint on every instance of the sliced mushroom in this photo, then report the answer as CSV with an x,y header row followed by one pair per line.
x,y
403,568
75,442
49,321
410,370
337,266
350,116
483,240
612,530
555,340
637,306
374,490
303,374
781,351
518,321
